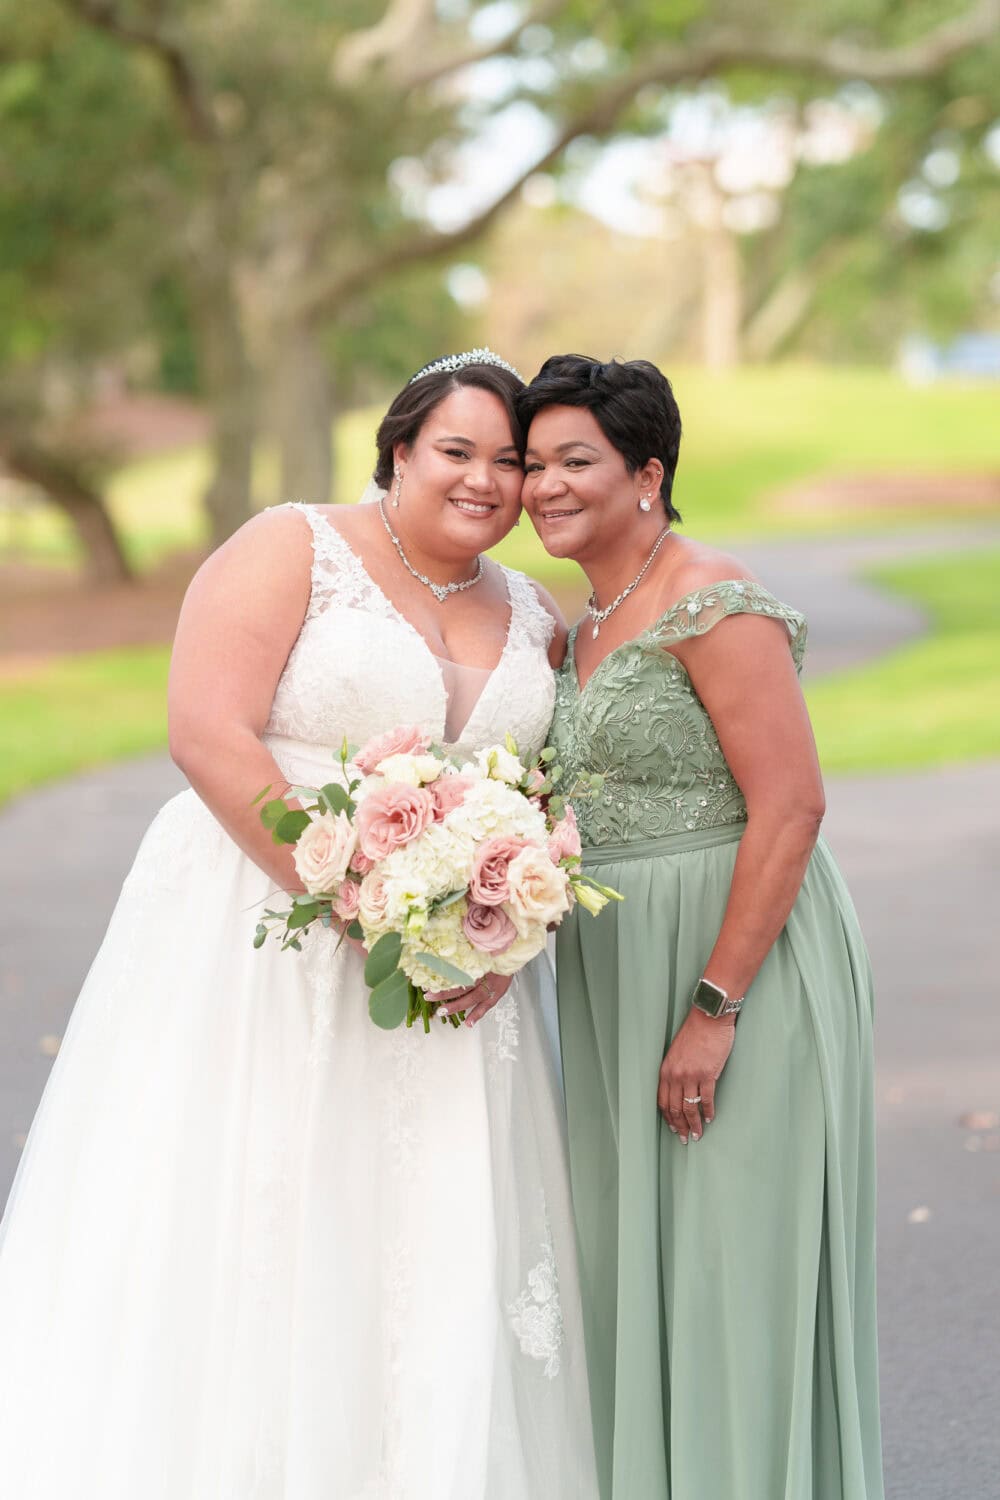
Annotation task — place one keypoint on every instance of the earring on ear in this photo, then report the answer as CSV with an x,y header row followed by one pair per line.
x,y
397,487
645,504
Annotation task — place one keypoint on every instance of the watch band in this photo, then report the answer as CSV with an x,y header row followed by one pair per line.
x,y
713,1000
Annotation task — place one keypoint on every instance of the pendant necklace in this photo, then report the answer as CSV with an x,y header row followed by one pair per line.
x,y
439,590
600,615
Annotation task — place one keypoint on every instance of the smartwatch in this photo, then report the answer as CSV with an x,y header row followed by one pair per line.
x,y
713,1000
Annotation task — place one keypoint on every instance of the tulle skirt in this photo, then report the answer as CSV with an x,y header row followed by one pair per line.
x,y
258,1249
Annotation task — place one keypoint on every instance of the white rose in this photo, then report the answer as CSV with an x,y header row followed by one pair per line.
x,y
499,764
324,852
539,890
414,770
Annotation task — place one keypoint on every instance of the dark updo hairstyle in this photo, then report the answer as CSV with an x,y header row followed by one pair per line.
x,y
632,402
415,402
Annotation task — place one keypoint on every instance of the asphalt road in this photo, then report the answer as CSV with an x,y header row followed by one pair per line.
x,y
922,856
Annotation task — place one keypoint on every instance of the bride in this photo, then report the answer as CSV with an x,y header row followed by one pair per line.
x,y
258,1249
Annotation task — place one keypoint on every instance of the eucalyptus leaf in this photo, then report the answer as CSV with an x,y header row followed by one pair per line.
x,y
261,795
444,970
260,937
301,916
549,753
337,798
383,959
291,826
444,901
389,1001
272,812
356,931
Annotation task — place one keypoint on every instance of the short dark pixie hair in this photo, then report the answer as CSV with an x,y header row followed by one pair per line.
x,y
415,402
631,400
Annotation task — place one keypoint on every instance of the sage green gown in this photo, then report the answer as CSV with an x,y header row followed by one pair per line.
x,y
729,1284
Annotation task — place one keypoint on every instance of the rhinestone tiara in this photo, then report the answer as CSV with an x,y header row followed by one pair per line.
x,y
462,361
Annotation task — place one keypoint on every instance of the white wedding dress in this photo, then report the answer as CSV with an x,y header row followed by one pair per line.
x,y
258,1249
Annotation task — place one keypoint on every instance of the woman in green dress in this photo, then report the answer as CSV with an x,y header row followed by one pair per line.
x,y
723,1174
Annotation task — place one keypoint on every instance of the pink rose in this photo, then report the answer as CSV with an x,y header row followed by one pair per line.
x,y
488,928
564,840
348,901
360,863
324,851
392,817
448,792
404,740
489,885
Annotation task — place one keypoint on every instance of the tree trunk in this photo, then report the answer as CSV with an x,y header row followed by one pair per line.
x,y
105,560
303,415
722,287
231,388
782,314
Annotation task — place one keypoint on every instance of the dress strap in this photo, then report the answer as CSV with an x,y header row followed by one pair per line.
x,y
698,611
338,574
530,622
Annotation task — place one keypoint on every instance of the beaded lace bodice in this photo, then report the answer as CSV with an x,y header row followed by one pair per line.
x,y
359,667
641,725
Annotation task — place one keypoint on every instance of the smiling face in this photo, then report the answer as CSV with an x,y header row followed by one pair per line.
x,y
578,491
462,474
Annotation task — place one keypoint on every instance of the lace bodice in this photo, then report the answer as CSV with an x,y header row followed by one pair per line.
x,y
642,726
359,667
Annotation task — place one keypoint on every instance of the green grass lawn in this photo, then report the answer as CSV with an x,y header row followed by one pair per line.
x,y
930,703
746,435
81,711
934,701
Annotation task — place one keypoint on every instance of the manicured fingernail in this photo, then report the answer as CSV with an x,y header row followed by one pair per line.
x,y
684,1140
695,1137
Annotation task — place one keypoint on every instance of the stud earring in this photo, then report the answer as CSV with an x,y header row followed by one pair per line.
x,y
644,503
396,489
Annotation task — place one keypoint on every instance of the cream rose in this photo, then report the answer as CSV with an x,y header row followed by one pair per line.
x,y
539,890
414,770
324,852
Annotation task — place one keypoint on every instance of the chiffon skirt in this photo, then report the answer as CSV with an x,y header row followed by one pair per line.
x,y
729,1284
258,1249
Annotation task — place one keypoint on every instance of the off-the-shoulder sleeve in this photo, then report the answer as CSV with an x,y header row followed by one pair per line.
x,y
698,611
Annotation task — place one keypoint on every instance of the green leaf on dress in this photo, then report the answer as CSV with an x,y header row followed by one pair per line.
x,y
444,970
389,1001
383,959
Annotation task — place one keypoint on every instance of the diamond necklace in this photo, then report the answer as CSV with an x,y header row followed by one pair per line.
x,y
439,590
600,615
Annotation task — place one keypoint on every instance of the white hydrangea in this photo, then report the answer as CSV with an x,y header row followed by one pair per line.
x,y
491,808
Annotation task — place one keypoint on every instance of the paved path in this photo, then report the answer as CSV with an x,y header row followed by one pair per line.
x,y
922,856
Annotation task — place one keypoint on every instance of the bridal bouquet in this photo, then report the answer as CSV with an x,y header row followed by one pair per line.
x,y
445,870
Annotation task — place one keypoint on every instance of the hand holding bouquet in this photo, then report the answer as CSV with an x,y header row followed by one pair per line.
x,y
445,870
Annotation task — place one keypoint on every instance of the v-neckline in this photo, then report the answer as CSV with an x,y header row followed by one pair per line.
x,y
622,645
401,619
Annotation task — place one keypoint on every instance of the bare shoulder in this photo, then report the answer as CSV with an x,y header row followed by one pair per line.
x,y
271,550
698,566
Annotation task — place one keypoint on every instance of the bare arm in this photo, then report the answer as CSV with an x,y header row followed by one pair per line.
x,y
744,674
240,618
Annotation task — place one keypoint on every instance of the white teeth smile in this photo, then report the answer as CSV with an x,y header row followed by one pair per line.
x,y
558,515
472,508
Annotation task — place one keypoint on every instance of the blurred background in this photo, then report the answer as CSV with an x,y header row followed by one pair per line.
x,y
231,229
